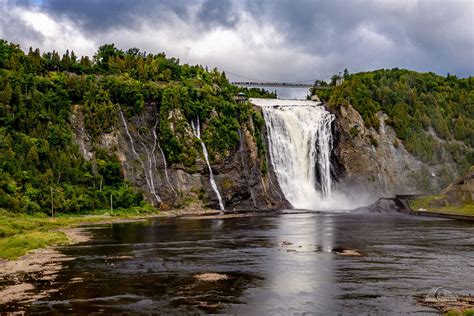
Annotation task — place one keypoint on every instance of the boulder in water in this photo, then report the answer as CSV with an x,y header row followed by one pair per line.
x,y
383,205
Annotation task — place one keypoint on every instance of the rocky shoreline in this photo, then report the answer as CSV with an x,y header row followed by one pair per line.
x,y
40,264
44,264
401,204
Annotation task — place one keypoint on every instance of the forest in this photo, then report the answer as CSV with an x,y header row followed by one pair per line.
x,y
431,114
40,162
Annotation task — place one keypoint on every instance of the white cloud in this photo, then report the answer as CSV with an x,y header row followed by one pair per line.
x,y
56,34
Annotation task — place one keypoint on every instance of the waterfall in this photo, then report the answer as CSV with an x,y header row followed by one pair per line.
x,y
300,145
148,177
157,143
197,133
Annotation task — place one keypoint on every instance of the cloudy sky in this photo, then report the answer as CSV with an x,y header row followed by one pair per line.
x,y
292,40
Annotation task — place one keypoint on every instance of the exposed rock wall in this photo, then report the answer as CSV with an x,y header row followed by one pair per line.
x,y
239,177
461,191
376,163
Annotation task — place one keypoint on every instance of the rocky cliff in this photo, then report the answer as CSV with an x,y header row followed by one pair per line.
x,y
239,176
367,163
375,163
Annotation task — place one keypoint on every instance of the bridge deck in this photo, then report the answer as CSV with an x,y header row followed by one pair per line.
x,y
272,84
277,84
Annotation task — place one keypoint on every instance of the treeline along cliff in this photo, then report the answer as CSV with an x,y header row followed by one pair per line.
x,y
121,124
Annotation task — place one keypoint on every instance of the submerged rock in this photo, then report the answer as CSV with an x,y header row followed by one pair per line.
x,y
347,252
211,277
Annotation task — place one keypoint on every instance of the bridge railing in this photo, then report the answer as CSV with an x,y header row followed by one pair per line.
x,y
272,84
276,84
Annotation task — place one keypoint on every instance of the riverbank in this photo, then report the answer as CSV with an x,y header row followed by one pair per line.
x,y
438,206
27,244
22,233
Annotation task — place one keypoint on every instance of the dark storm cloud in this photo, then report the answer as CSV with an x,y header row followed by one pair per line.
x,y
103,15
218,13
11,27
425,35
435,35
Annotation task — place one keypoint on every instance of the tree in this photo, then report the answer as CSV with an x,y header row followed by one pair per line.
x,y
346,73
103,55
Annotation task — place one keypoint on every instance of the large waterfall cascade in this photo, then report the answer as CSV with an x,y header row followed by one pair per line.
x,y
300,145
197,132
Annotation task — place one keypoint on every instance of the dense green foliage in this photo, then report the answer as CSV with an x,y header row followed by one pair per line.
x,y
416,103
38,95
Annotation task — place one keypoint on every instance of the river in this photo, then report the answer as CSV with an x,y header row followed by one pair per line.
x,y
276,264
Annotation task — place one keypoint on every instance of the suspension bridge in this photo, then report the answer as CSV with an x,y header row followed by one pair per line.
x,y
271,84
277,84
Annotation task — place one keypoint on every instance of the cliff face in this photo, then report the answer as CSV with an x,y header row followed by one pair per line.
x,y
376,163
367,163
239,176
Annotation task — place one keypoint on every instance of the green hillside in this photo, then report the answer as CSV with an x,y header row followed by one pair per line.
x,y
417,104
37,92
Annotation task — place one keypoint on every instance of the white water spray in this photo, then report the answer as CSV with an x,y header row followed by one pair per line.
x,y
300,144
197,133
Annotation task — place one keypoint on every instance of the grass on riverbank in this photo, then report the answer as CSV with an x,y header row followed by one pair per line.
x,y
438,204
17,245
20,233
469,312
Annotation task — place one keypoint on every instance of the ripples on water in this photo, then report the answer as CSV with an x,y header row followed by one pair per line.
x,y
281,264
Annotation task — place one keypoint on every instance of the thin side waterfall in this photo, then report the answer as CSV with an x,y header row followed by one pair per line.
x,y
157,143
300,145
148,176
197,132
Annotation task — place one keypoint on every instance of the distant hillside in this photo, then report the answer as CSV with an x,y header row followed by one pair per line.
x,y
431,114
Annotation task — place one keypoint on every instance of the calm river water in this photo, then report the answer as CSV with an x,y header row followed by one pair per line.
x,y
278,264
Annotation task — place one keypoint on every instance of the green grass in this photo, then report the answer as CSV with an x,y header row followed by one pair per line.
x,y
19,244
437,204
20,233
469,312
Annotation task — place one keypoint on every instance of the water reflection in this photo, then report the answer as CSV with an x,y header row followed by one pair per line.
x,y
275,265
299,271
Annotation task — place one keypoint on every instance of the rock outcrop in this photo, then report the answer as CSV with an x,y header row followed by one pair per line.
x,y
461,191
239,176
376,163
366,163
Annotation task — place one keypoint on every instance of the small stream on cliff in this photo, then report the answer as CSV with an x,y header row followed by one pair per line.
x,y
197,132
274,264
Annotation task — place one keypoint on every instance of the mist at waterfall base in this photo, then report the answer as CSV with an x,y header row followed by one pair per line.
x,y
300,145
